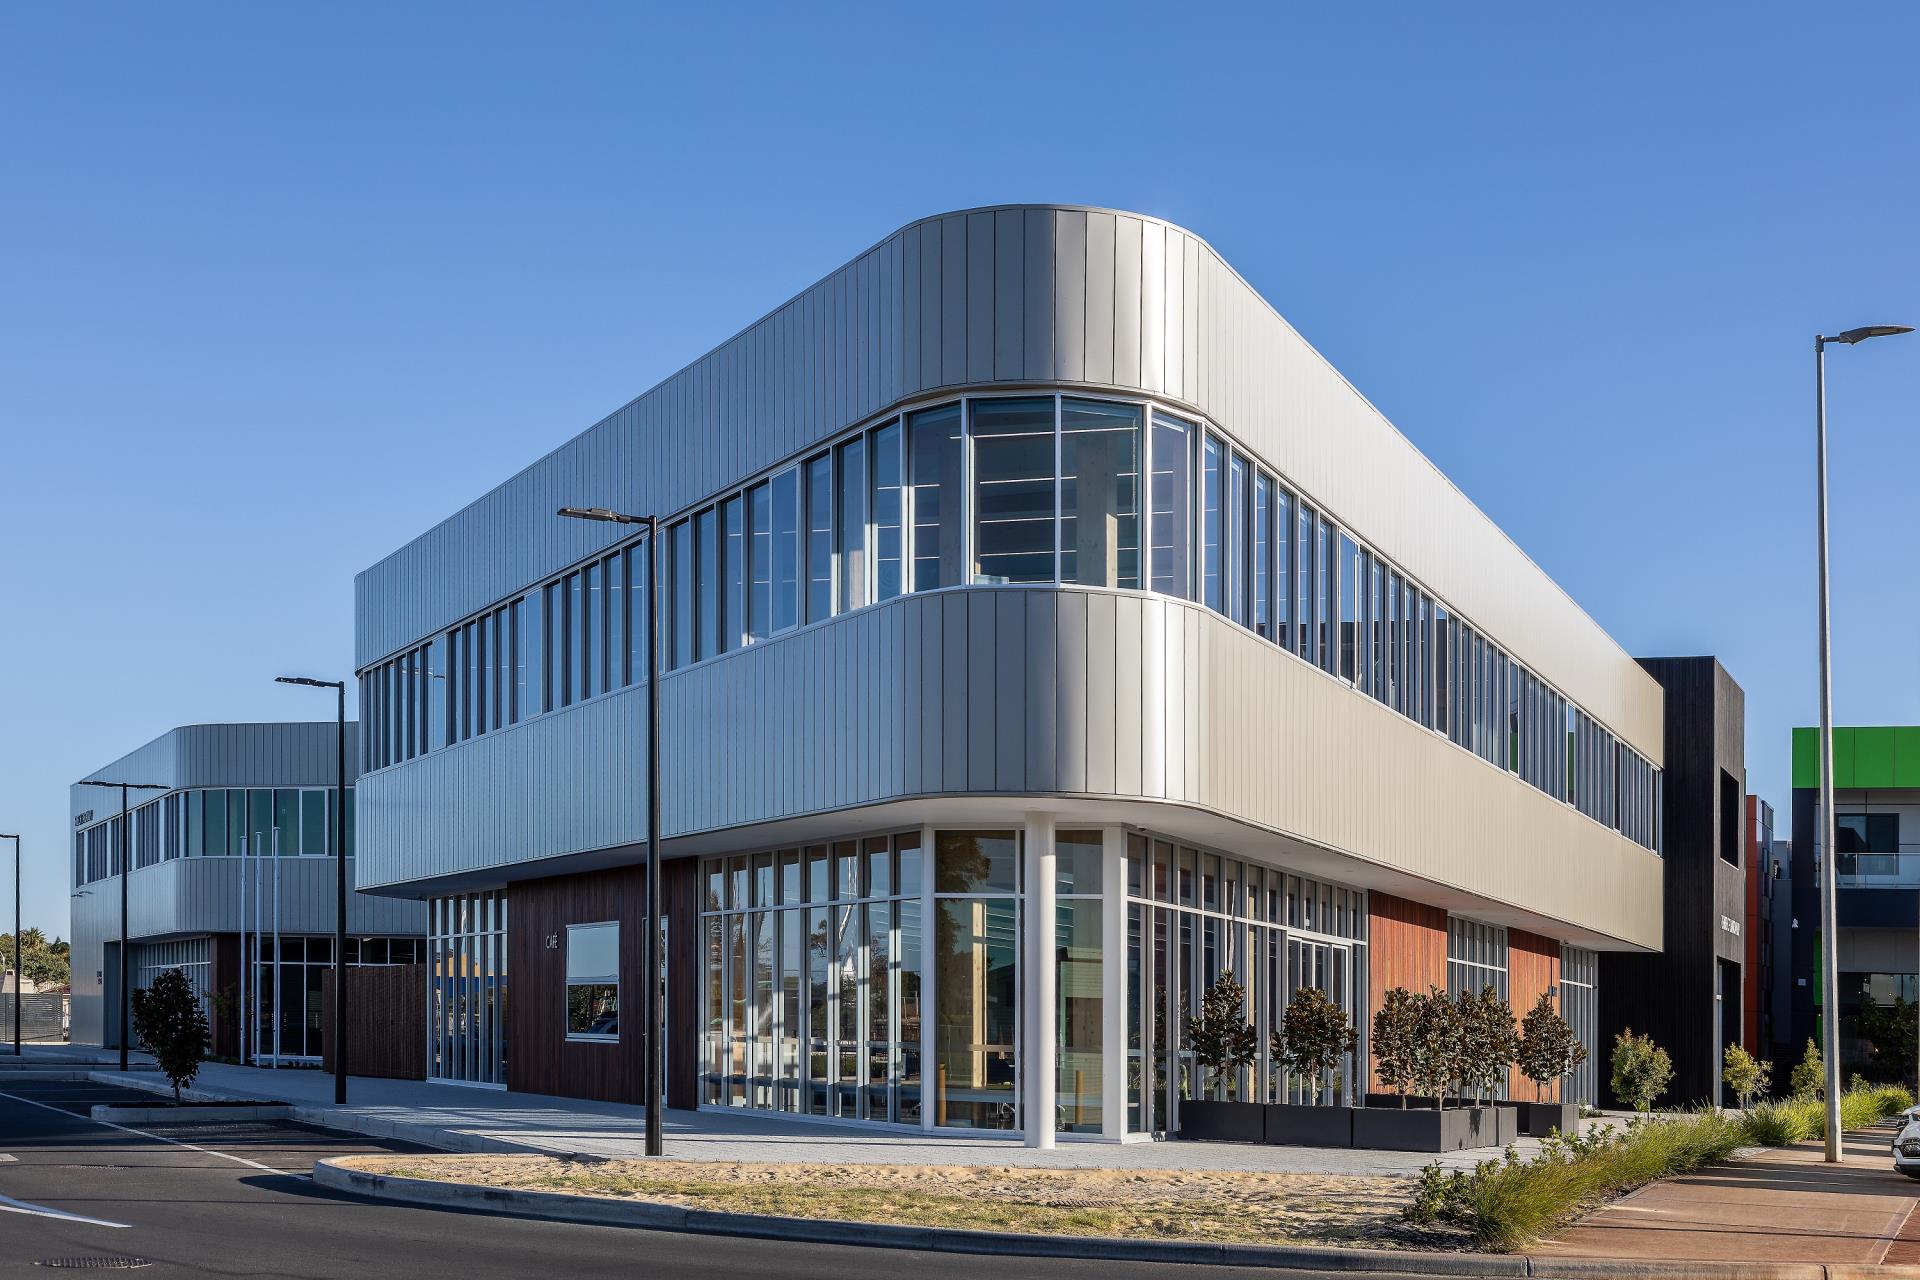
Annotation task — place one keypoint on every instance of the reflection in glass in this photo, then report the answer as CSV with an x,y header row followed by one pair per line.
x,y
1013,490
1099,493
889,568
976,990
1169,517
933,446
819,484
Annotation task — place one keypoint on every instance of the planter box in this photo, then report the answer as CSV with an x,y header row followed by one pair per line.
x,y
1222,1121
1537,1119
1455,1129
1294,1125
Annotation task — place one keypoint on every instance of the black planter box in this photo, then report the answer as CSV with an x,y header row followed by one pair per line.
x,y
1538,1119
1294,1125
1426,1129
1222,1121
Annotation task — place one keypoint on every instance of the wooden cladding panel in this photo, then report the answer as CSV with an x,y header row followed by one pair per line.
x,y
680,890
1406,947
1533,968
540,1058
386,1021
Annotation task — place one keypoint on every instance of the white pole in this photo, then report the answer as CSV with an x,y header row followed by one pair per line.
x,y
1829,934
279,963
240,1030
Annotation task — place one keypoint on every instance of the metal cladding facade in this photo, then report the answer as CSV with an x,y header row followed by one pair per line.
x,y
964,702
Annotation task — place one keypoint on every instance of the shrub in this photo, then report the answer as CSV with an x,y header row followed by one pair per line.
x,y
1313,1036
1507,1204
1809,1079
1487,1040
1220,1035
1779,1124
1642,1070
1548,1048
1746,1075
1396,1027
168,1020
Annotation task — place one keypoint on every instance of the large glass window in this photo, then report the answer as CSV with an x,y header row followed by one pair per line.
x,y
1212,496
888,529
1263,556
819,484
1305,547
742,600
786,549
1099,493
706,568
933,448
593,981
1170,520
680,586
854,588
1079,997
760,589
1013,490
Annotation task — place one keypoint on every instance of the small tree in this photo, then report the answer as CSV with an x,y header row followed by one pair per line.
x,y
1314,1034
1746,1075
168,1021
1220,1034
1809,1079
1548,1050
1396,1031
1642,1070
1487,1040
1437,1042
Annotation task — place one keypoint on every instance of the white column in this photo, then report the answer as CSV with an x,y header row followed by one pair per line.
x,y
1113,983
929,953
1038,1066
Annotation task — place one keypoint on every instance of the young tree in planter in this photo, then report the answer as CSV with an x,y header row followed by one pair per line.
x,y
1641,1069
1809,1079
1313,1036
1746,1075
1487,1041
1437,1044
1395,1040
1548,1050
168,1021
1220,1034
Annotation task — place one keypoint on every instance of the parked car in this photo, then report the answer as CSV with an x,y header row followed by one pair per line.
x,y
1906,1143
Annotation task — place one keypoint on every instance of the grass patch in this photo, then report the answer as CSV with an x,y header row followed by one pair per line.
x,y
1192,1205
1782,1122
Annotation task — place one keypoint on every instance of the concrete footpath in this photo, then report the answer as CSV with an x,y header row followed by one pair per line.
x,y
1773,1206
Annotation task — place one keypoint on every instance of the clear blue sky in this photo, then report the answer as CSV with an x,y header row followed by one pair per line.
x,y
282,285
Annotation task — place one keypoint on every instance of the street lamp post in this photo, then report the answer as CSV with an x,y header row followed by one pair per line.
x,y
1829,930
19,975
126,874
339,1034
655,1039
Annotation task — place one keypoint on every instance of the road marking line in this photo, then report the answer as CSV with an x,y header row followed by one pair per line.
x,y
205,1151
9,1205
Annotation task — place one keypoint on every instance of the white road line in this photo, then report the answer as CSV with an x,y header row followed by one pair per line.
x,y
205,1151
9,1205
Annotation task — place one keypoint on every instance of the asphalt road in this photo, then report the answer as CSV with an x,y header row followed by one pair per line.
x,y
238,1201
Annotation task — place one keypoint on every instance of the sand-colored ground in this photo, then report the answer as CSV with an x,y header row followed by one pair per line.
x,y
1265,1208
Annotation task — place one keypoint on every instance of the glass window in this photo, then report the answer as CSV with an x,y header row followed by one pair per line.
x,y
1170,520
759,615
1212,482
1099,493
286,817
1328,579
888,534
1077,862
1263,556
1233,560
617,675
313,822
1304,546
680,567
853,524
1078,1033
977,978
933,449
437,692
819,538
639,623
706,569
1013,490
976,862
738,597
786,549
1349,604
593,981
595,649
530,626
576,642
213,829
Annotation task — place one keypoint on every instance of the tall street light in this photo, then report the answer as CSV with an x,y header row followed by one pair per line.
x,y
655,1038
1829,929
19,975
339,1035
126,874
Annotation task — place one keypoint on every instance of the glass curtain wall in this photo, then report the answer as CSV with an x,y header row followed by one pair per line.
x,y
467,992
812,989
1579,1005
1193,914
1078,993
976,987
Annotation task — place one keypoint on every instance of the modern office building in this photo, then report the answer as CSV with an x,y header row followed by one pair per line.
x,y
1047,629
1876,807
253,932
1763,895
1688,996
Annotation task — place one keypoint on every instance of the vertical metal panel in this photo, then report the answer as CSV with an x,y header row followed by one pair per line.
x,y
1127,298
932,695
1070,693
1037,285
980,310
1070,296
1042,755
1009,295
953,711
1009,640
1129,684
1100,297
1102,693
981,708
1153,306
932,307
953,300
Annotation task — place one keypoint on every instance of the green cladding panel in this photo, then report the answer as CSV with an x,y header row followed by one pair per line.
x,y
1877,757
1806,757
1872,757
1906,756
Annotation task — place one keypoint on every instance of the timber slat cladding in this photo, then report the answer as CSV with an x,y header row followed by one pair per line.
x,y
386,1014
540,1058
1533,967
1406,947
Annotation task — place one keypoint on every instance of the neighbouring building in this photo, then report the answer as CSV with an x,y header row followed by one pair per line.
x,y
1688,996
1784,928
252,931
1047,629
1876,808
1763,889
